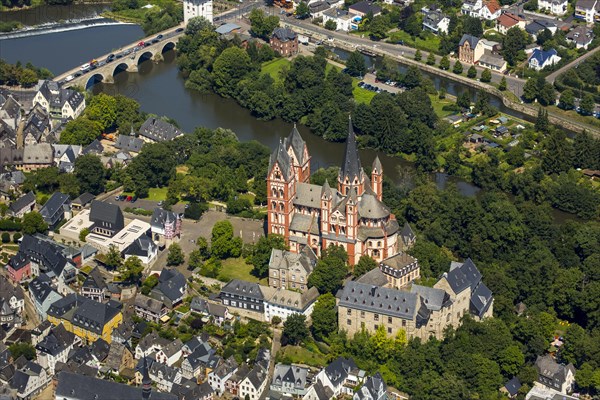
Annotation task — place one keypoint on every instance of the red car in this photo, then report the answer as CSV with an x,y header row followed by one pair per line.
x,y
128,199
141,44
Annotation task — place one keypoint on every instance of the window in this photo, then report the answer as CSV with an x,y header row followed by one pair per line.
x,y
403,323
349,322
376,326
376,317
349,312
389,320
389,330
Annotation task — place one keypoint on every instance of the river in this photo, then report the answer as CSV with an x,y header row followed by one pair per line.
x,y
160,90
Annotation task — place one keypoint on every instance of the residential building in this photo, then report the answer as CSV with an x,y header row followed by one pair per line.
x,y
37,126
284,41
318,391
290,380
94,148
57,208
86,318
488,9
400,270
59,103
341,376
195,364
221,374
12,303
165,376
155,130
72,386
537,26
166,226
149,309
364,8
253,384
511,388
539,392
232,385
144,249
149,344
493,61
119,357
128,143
171,288
289,270
541,59
581,36
586,10
553,375
82,201
374,388
467,49
197,8
94,286
556,7
342,18
107,218
54,348
353,216
19,268
42,295
509,20
35,157
170,353
29,380
244,295
435,20
65,156
282,302
22,205
216,312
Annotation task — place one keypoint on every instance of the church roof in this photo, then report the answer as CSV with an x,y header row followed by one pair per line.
x,y
282,158
351,167
295,141
370,207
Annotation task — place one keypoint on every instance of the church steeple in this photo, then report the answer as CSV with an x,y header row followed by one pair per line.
x,y
146,381
351,173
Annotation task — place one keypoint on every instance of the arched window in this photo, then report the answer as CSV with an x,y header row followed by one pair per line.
x,y
281,193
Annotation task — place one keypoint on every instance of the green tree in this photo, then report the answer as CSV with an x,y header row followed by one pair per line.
x,y
503,85
542,124
418,55
557,154
28,78
175,256
149,283
324,317
33,222
458,68
587,105
511,360
486,75
22,349
364,265
330,25
230,68
113,259
203,247
302,10
81,131
5,237
16,237
262,25
295,329
90,173
547,94
69,185
223,244
330,270
530,90
131,270
513,44
276,320
445,63
379,26
472,72
430,59
261,253
195,260
83,234
567,100
464,100
102,108
355,65
198,24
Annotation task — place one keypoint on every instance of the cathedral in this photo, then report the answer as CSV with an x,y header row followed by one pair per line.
x,y
351,215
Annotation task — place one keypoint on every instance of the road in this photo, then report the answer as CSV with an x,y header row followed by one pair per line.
x,y
573,64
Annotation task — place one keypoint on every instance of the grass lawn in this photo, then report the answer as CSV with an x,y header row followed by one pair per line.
x,y
431,43
138,15
236,268
438,105
274,66
248,196
302,355
86,269
157,194
361,95
574,115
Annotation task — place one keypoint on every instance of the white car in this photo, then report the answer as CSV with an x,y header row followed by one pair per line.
x,y
85,67
69,78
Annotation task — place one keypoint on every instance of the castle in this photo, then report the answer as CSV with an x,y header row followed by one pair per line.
x,y
352,216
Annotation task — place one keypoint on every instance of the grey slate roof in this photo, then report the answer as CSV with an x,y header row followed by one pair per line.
x,y
54,205
93,148
370,207
295,141
374,388
171,283
290,374
129,143
161,217
79,387
159,130
148,303
284,35
282,158
351,167
323,392
365,7
464,276
101,211
305,223
397,264
257,376
46,253
513,386
434,299
84,199
283,259
95,280
22,202
88,314
308,195
338,370
243,288
202,306
391,302
141,247
547,367
40,288
374,277
468,38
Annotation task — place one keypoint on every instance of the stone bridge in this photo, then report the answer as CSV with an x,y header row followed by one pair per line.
x,y
127,58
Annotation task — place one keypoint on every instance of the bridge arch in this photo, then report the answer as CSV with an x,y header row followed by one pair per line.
x,y
121,67
93,79
146,55
168,46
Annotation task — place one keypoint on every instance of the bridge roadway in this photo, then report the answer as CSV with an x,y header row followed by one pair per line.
x,y
126,58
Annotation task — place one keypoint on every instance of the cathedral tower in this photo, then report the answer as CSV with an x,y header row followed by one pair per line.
x,y
377,178
351,173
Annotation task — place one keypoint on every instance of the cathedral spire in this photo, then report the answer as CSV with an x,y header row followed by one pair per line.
x,y
351,168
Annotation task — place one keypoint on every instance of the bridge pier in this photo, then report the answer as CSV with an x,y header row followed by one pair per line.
x,y
132,68
108,79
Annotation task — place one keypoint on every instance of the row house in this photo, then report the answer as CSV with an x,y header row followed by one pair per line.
x,y
290,380
170,353
30,380
22,205
12,303
282,302
289,270
341,376
42,295
224,370
254,384
94,286
171,288
54,348
59,103
149,309
217,313
149,344
196,364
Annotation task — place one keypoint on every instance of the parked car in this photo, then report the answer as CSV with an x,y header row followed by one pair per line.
x,y
179,30
117,198
110,58
134,199
128,199
160,203
69,78
85,67
159,37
